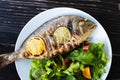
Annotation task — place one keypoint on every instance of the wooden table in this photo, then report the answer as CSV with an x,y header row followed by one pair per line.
x,y
14,14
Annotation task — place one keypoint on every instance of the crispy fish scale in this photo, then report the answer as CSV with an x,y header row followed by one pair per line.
x,y
80,29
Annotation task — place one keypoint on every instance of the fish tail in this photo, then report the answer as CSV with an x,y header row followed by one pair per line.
x,y
8,58
4,60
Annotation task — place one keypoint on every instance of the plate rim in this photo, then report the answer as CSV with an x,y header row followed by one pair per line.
x,y
52,10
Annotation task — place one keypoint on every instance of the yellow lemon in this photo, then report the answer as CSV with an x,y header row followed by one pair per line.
x,y
35,46
62,35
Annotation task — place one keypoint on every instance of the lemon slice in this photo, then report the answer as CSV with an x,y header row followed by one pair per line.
x,y
62,35
35,46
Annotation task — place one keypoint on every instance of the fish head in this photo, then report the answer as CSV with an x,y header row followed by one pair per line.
x,y
86,25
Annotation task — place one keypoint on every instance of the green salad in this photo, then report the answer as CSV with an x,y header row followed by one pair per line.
x,y
86,62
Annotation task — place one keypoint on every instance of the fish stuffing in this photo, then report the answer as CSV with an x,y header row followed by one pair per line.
x,y
57,36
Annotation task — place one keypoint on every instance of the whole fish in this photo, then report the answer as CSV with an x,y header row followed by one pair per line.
x,y
57,36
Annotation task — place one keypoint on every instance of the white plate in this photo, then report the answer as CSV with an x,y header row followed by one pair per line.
x,y
99,35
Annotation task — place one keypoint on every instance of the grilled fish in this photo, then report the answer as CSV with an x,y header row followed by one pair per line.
x,y
57,36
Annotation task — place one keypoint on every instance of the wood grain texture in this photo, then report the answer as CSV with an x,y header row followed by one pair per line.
x,y
14,14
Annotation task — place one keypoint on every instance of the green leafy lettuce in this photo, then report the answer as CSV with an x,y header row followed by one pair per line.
x,y
57,69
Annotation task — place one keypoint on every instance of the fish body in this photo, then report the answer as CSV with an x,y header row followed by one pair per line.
x,y
57,36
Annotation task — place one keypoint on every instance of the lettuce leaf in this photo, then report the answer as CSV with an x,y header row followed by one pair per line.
x,y
70,77
100,60
74,67
82,56
56,69
100,55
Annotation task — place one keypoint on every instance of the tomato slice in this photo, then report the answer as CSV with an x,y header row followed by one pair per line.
x,y
86,47
66,60
86,72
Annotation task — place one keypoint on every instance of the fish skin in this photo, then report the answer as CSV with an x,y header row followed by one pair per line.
x,y
79,27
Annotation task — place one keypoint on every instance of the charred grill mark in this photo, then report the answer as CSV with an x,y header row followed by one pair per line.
x,y
69,46
42,52
54,52
70,26
46,54
80,31
74,25
62,49
26,55
80,26
36,55
47,43
49,31
75,41
75,44
51,43
54,45
44,35
72,42
66,48
36,38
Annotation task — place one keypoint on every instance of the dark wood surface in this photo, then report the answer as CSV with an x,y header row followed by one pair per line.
x,y
14,14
